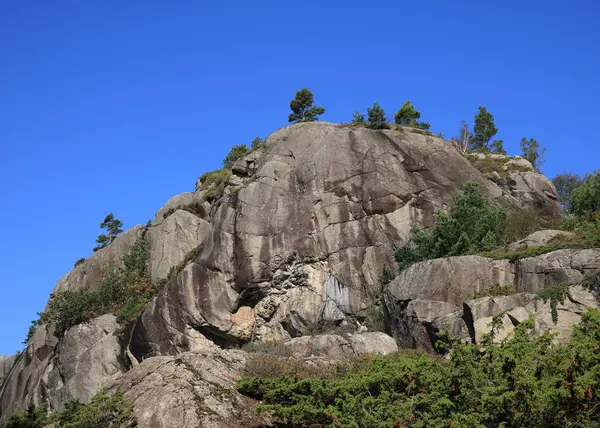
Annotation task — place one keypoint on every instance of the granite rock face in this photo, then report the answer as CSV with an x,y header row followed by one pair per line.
x,y
296,235
51,372
435,295
304,230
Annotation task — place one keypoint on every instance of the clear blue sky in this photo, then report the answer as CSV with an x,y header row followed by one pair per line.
x,y
114,106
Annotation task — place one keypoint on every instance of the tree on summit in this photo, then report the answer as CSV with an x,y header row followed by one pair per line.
x,y
484,130
303,109
408,115
113,228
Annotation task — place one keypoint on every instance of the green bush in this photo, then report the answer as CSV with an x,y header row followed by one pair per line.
x,y
474,224
103,411
124,289
523,382
236,152
214,183
585,199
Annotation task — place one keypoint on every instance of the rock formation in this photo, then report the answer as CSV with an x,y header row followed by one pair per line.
x,y
296,235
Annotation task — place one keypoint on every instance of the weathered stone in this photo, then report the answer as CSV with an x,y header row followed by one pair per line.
x,y
541,237
519,164
193,390
52,373
88,274
336,347
173,239
6,364
437,294
86,357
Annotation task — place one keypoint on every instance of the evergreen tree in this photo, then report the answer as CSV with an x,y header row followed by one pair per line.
x,y
303,109
257,143
358,118
530,150
113,228
376,118
408,115
234,154
484,130
498,147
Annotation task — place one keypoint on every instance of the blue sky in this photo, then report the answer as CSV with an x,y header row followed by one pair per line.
x,y
115,106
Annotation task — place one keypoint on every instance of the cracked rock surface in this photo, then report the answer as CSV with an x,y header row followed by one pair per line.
x,y
298,236
434,295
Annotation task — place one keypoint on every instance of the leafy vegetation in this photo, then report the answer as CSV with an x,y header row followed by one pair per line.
x,y
530,150
113,228
78,262
257,143
565,184
236,152
103,411
408,115
556,295
124,289
523,382
214,183
495,291
303,109
585,199
474,224
358,118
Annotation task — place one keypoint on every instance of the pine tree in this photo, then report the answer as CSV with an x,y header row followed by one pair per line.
x,y
303,109
376,118
484,130
408,115
113,228
530,150
358,118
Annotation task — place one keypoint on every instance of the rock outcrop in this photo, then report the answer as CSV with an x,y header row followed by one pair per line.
x,y
197,389
295,235
541,238
6,364
435,295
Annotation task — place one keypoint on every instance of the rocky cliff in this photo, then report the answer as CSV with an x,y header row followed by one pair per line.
x,y
296,235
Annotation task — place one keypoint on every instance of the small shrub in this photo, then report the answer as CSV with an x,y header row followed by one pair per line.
x,y
103,411
358,118
78,262
522,223
523,254
124,289
271,347
236,152
328,327
32,329
373,318
556,295
214,183
257,143
495,291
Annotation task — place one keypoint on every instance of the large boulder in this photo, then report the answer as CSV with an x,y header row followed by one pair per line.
x,y
172,240
541,238
436,295
51,373
337,347
193,390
